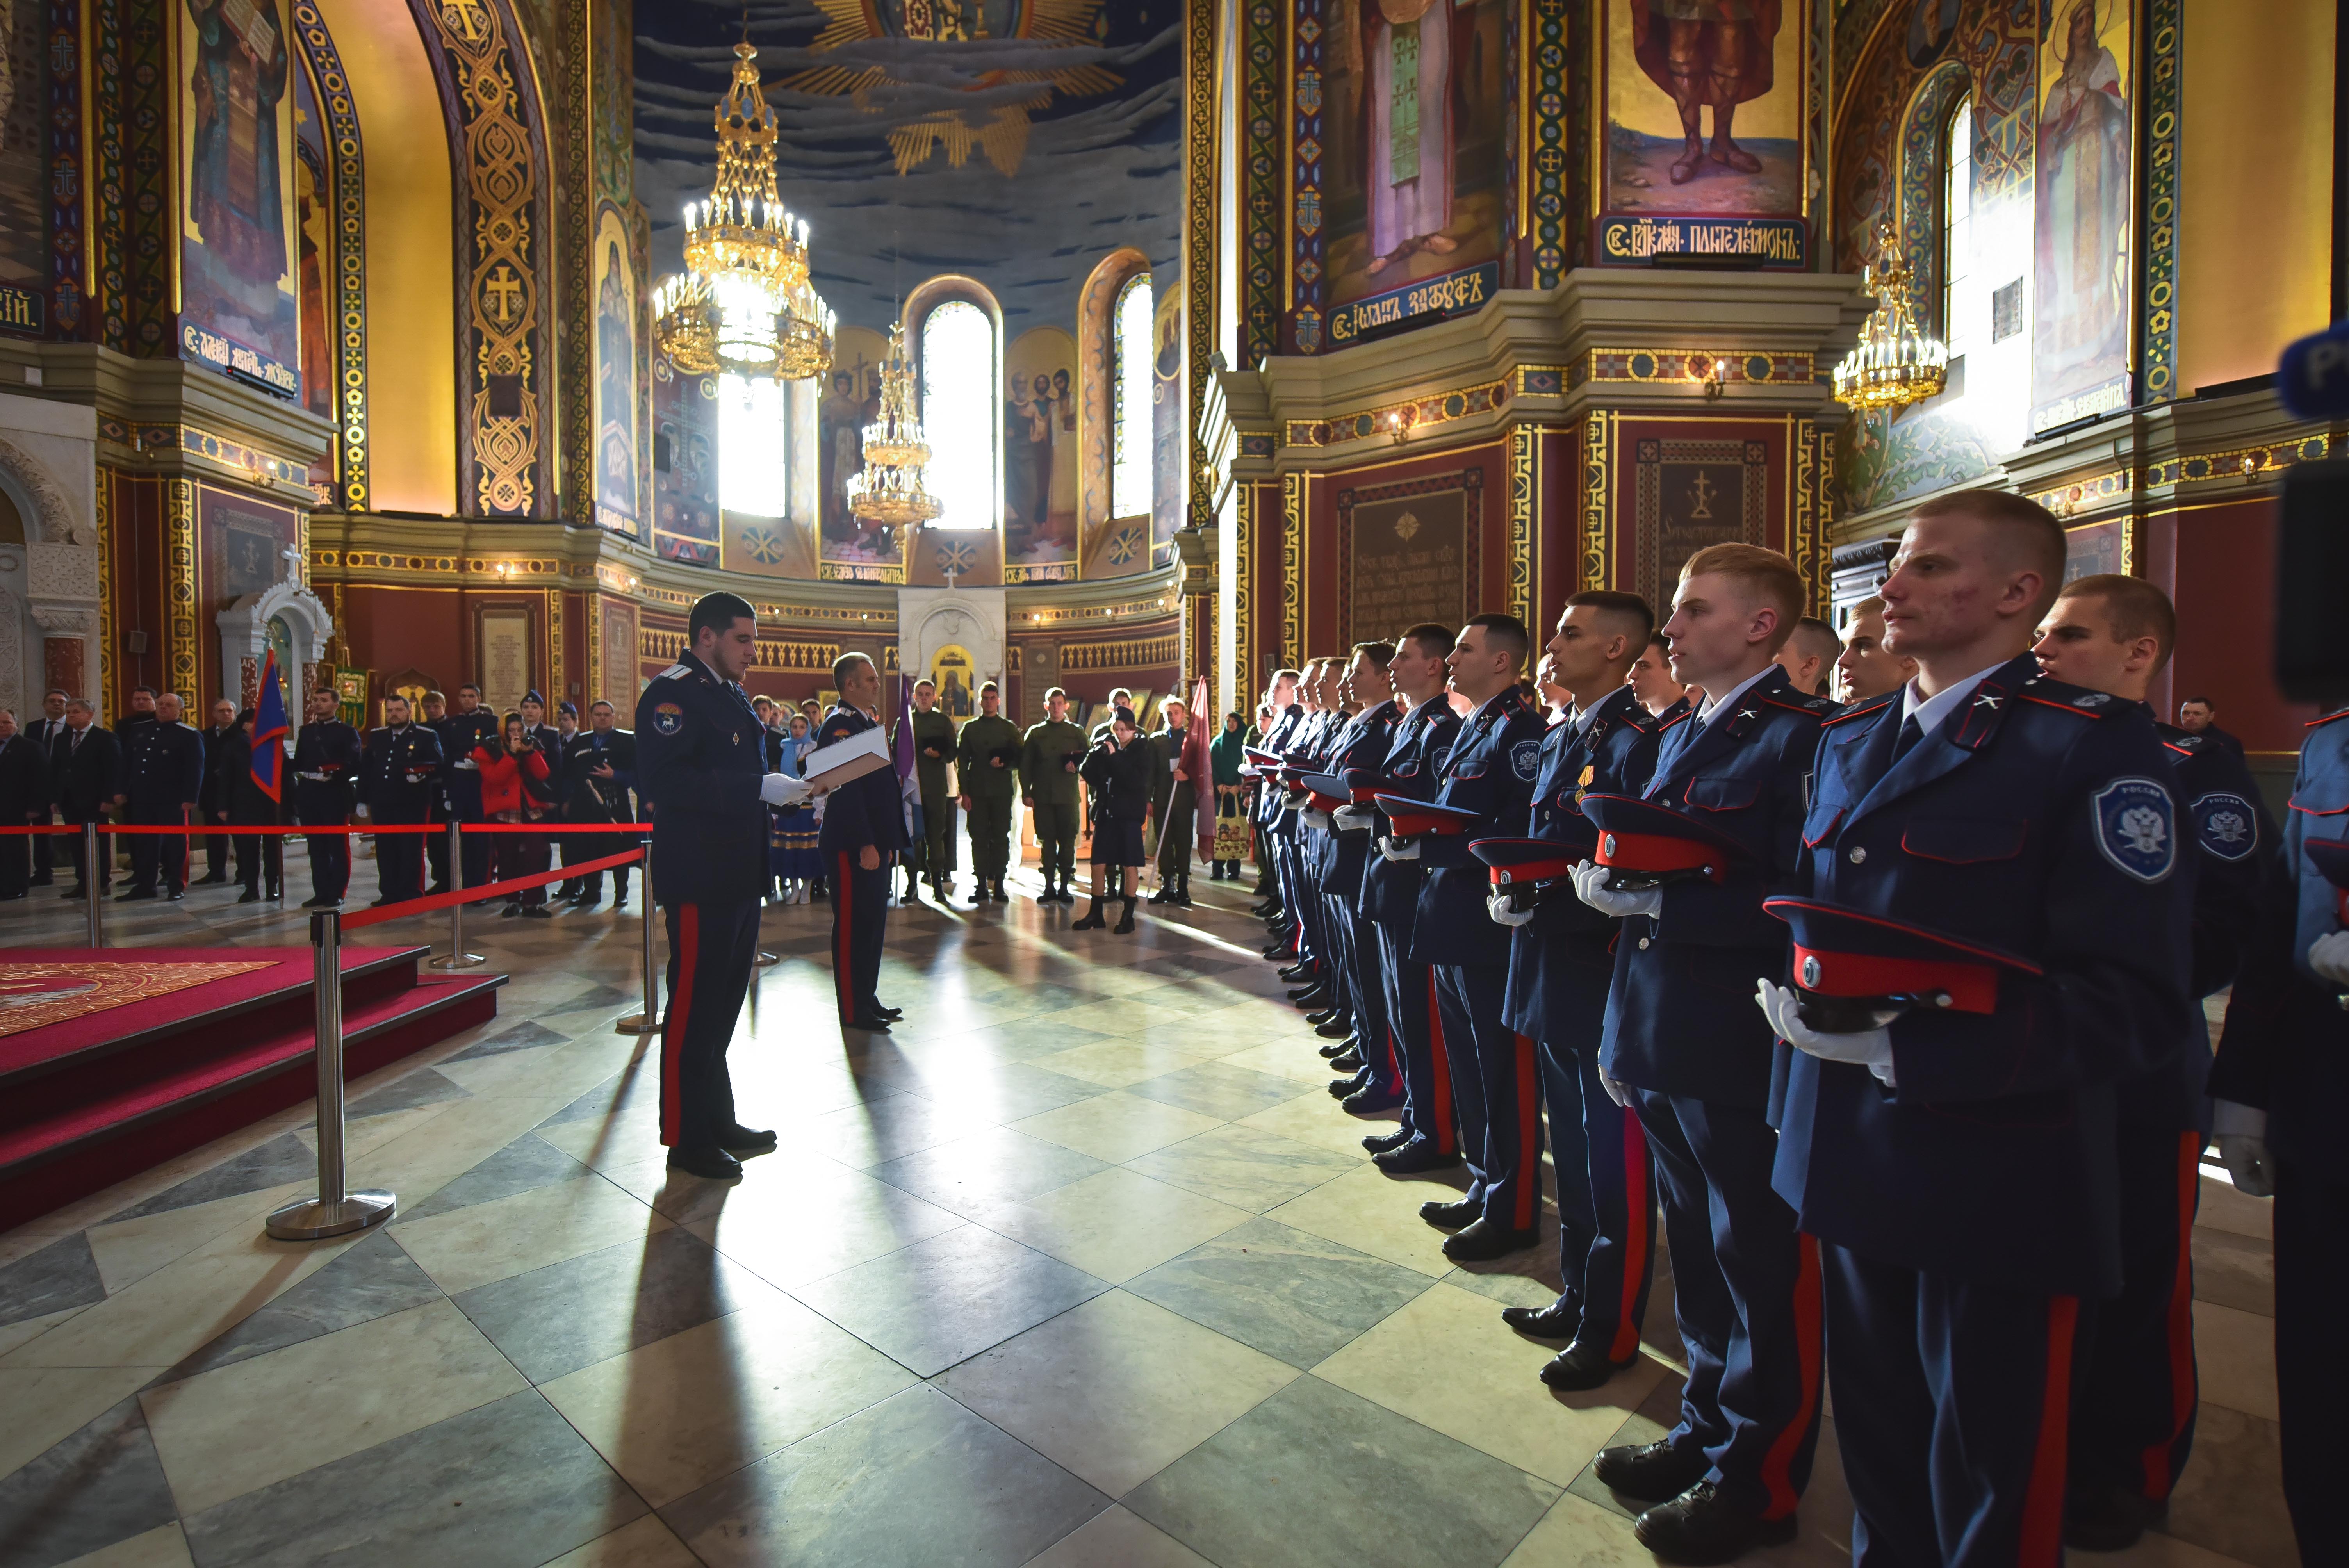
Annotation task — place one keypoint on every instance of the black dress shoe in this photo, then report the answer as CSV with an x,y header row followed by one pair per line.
x,y
1415,1155
1483,1242
1382,1143
250,895
2103,1517
1339,1088
1370,1100
1337,1028
322,904
1701,1526
176,895
76,891
891,1013
1582,1366
215,877
134,895
1349,1059
536,911
1331,1053
1311,994
1450,1214
1652,1472
741,1137
713,1163
1278,950
1321,1015
1293,972
870,1025
1559,1320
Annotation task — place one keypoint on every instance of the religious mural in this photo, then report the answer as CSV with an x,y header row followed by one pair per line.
x,y
1704,109
616,413
239,309
314,249
851,400
1039,457
684,465
23,162
1170,437
2080,271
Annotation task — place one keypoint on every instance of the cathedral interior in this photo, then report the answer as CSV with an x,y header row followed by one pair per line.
x,y
397,346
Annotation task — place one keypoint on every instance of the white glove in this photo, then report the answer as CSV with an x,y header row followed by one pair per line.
x,y
1399,852
1590,887
1871,1048
1315,817
2329,957
1496,904
1353,819
1617,1090
782,789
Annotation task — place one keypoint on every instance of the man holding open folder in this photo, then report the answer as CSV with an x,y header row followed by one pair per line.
x,y
864,827
701,767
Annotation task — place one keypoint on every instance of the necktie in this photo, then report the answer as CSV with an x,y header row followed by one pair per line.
x,y
1911,732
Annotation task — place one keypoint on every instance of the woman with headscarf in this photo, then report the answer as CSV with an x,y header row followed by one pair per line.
x,y
259,856
1225,754
792,856
517,787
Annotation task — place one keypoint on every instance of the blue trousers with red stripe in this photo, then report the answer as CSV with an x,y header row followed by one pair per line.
x,y
2135,1391
1366,993
1606,1197
1498,1090
860,919
1951,1405
1417,1032
711,950
1745,1288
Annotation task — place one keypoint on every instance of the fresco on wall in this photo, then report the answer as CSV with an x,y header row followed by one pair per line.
x,y
684,465
852,399
1169,426
24,137
1704,107
238,306
1416,124
313,231
617,414
2080,276
1039,457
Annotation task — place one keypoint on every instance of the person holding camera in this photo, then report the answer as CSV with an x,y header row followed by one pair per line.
x,y
1118,772
517,787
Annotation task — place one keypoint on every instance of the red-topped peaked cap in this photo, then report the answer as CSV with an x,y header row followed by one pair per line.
x,y
1854,953
1329,792
1636,835
1412,817
1515,861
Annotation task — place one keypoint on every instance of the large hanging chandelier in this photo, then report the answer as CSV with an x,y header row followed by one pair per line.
x,y
1895,365
892,491
744,306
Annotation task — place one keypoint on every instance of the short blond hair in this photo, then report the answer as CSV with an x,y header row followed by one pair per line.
x,y
2134,607
1765,574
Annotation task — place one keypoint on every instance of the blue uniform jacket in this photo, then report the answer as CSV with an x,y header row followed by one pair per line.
x,y
2038,819
2285,1048
1413,767
1489,771
698,764
1362,744
164,770
1568,947
863,811
461,779
1279,738
326,757
1680,1017
392,755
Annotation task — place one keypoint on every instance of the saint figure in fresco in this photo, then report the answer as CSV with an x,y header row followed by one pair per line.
x,y
1410,57
1717,52
616,381
237,77
2081,194
1027,458
840,451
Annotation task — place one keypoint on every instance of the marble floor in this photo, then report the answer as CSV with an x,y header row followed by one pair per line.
x,y
1080,1266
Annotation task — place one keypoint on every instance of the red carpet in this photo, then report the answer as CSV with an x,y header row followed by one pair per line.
x,y
197,1061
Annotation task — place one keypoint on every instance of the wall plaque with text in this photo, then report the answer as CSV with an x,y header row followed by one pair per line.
x,y
1409,553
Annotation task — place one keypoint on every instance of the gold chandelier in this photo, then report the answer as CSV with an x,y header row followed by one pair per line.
x,y
892,491
1895,365
744,304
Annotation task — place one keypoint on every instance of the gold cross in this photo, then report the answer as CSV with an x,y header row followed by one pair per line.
x,y
502,287
1700,492
469,17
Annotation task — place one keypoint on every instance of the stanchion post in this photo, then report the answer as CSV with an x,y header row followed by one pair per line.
x,y
93,885
458,957
648,1021
333,1212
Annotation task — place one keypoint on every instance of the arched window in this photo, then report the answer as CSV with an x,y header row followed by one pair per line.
x,y
753,445
1961,311
1130,487
960,412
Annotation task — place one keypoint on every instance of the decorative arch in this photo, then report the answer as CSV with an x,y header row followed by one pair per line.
x,y
345,284
244,638
944,289
1097,389
50,516
1924,135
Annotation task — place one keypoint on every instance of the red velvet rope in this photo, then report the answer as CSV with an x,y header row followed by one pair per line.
x,y
408,907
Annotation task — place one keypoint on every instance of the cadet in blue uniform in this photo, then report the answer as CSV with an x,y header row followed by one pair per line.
x,y
1288,713
163,776
2136,1386
325,767
1728,784
1489,774
701,768
1371,1056
403,765
464,732
863,826
1955,1159
1428,1137
1561,963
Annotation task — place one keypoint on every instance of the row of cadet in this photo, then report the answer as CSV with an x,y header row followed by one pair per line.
x,y
1891,1010
154,768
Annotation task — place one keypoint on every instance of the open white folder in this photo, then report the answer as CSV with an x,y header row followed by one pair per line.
x,y
827,767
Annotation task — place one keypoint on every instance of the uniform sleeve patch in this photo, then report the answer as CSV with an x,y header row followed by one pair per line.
x,y
667,717
2226,825
2137,828
1524,757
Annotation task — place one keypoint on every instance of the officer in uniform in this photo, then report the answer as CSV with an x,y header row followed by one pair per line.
x,y
403,764
210,802
1291,732
863,825
1328,993
987,764
326,758
599,768
1487,780
535,727
1370,1056
1050,755
1287,714
1427,1138
433,715
1947,1128
164,775
934,749
1687,864
2136,1384
1866,668
700,752
1561,964
471,727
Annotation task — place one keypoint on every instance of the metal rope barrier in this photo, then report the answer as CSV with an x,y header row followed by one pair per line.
x,y
333,1212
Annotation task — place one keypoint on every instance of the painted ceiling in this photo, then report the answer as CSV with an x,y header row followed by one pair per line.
x,y
1015,140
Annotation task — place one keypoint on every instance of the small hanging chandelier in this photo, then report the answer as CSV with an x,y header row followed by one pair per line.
x,y
892,491
1894,365
744,304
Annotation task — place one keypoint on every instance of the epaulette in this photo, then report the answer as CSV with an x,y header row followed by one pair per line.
x,y
1861,710
1817,706
1684,714
1639,718
2328,719
673,672
2078,701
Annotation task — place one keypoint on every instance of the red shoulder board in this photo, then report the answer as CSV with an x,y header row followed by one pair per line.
x,y
2328,719
2078,701
1817,707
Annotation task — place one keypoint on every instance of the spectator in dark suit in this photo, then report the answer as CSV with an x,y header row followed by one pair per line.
x,y
244,805
161,777
86,779
599,768
44,732
24,799
212,802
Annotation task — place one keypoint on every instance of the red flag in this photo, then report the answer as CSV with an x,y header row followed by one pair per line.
x,y
1199,771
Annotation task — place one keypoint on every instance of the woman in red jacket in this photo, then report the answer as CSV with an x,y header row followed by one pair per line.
x,y
516,788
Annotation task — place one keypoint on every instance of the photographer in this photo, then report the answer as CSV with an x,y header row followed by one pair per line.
x,y
1118,773
516,788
